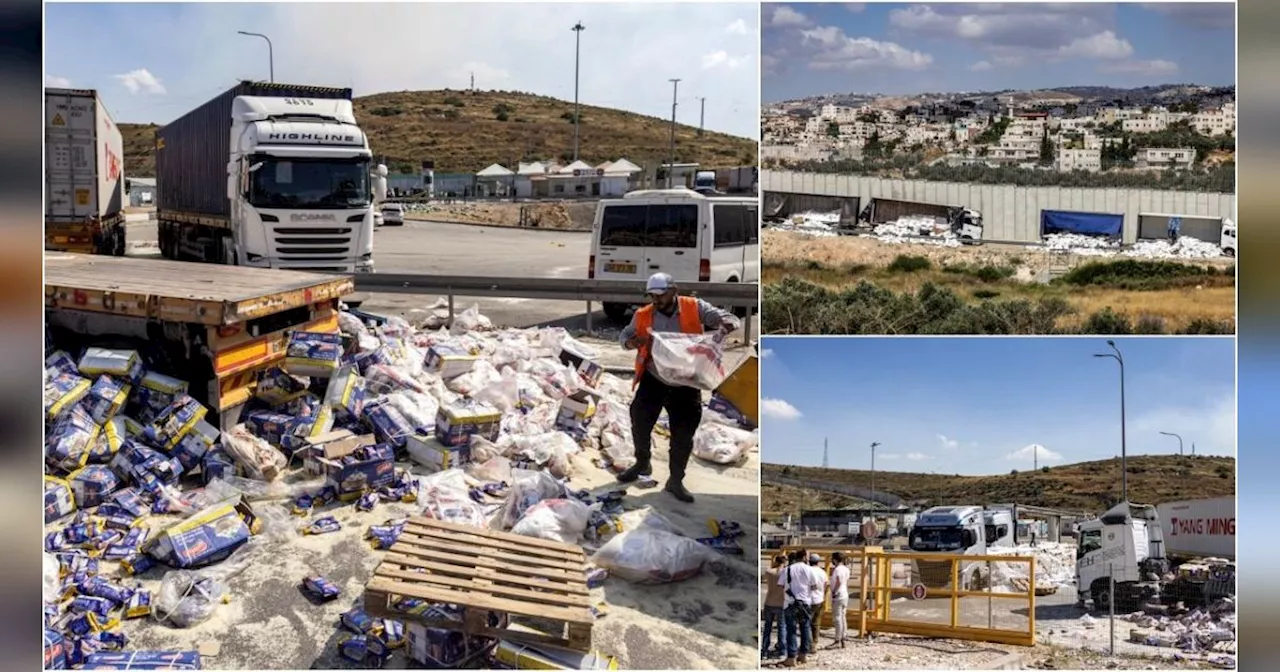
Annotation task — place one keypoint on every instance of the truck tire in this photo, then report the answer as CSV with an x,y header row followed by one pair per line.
x,y
740,311
617,313
120,244
1101,594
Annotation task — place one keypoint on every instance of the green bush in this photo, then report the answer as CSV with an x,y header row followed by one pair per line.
x,y
1207,327
1044,470
386,111
454,101
452,113
985,294
501,116
1137,274
987,273
1149,324
1107,322
905,263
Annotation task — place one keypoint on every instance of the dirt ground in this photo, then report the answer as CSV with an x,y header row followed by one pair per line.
x,y
564,215
837,262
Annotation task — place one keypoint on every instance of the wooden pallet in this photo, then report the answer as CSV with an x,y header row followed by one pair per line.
x,y
485,571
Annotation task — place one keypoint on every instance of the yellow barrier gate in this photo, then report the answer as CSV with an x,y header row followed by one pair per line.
x,y
931,576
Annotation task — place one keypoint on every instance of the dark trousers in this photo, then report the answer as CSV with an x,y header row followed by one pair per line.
x,y
799,630
684,410
774,623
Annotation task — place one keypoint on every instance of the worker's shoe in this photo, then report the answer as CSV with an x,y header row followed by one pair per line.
x,y
800,659
636,471
789,662
677,490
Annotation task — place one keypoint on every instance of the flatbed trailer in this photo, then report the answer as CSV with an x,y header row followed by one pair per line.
x,y
216,327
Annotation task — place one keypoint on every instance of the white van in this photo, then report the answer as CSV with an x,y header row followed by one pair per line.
x,y
692,237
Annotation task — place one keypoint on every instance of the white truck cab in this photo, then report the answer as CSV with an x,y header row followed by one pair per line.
x,y
951,530
1127,544
694,238
1229,244
967,225
302,186
999,529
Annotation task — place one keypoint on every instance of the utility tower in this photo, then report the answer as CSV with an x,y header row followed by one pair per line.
x,y
825,463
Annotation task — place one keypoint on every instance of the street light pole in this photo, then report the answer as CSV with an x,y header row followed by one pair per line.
x,y
702,114
577,51
873,475
1124,460
1179,438
671,169
271,57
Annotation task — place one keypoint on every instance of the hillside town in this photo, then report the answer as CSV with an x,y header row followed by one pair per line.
x,y
1047,132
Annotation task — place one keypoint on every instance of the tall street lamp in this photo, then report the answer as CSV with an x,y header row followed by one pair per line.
x,y
873,474
577,51
1179,438
675,86
1124,462
271,58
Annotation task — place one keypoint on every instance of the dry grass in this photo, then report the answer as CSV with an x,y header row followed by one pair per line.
x,y
840,262
1086,486
461,131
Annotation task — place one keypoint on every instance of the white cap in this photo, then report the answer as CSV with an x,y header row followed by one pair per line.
x,y
659,283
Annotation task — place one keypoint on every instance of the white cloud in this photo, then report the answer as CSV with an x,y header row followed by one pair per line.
x,y
888,456
766,353
717,59
738,27
779,409
1033,453
832,49
57,82
785,16
1104,45
1211,425
141,81
980,66
1154,68
769,64
949,444
917,457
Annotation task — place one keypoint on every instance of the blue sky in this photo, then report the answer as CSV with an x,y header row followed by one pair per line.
x,y
153,62
976,405
892,48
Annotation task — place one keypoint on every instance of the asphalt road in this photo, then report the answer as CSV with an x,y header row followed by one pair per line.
x,y
440,248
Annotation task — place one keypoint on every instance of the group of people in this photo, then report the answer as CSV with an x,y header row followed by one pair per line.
x,y
796,598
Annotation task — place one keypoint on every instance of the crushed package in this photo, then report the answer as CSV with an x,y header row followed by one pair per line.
x,y
320,587
123,364
456,423
205,538
313,354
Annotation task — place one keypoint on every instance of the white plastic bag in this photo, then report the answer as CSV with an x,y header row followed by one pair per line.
x,y
49,577
418,408
504,394
444,496
470,320
722,444
551,450
189,597
612,428
257,458
528,488
495,468
556,380
561,520
649,555
481,375
689,360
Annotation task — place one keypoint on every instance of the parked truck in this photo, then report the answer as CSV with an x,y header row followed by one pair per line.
x,y
953,530
84,174
964,223
1199,528
740,180
271,176
1122,559
215,327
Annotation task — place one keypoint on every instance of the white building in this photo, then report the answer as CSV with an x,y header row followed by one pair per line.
x,y
1216,122
1161,157
619,177
1068,160
495,180
1149,124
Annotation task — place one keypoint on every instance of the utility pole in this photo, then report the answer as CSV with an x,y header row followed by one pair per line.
x,y
702,115
825,464
873,474
577,55
671,169
473,82
1124,459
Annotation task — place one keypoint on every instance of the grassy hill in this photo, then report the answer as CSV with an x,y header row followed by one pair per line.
x,y
1086,486
465,132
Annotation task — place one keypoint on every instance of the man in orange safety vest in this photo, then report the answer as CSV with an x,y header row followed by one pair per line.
x,y
667,312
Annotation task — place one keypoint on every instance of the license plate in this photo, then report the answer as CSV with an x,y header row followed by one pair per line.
x,y
613,267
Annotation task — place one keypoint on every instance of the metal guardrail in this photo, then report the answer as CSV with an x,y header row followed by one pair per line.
x,y
724,294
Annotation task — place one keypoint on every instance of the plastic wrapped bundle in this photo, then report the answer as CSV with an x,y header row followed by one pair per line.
x,y
650,555
689,360
69,442
122,364
63,392
722,444
345,394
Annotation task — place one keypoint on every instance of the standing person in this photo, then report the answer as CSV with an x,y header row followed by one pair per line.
x,y
775,601
1175,229
840,597
667,312
817,598
796,581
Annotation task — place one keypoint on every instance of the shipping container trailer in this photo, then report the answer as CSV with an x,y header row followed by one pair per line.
x,y
1082,223
84,174
1199,527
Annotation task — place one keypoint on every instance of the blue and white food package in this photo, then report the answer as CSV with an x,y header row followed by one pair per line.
x,y
60,362
105,398
457,422
62,392
68,443
59,500
92,484
448,360
175,421
277,387
313,354
345,394
123,364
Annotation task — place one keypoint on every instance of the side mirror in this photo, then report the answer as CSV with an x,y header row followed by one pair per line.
x,y
380,188
381,170
233,187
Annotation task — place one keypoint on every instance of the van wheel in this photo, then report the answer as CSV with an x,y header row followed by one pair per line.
x,y
617,312
739,311
1230,252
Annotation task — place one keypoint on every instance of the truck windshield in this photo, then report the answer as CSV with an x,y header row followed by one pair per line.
x,y
937,539
310,183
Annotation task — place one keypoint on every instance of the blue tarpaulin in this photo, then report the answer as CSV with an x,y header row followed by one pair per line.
x,y
1084,223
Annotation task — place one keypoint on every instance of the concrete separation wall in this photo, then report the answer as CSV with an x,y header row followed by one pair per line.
x,y
1010,213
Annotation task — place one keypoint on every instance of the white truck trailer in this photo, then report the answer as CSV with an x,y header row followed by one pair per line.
x,y
1199,528
84,174
271,176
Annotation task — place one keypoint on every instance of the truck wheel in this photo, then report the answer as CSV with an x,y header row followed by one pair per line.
x,y
1102,596
740,311
120,244
1230,252
616,312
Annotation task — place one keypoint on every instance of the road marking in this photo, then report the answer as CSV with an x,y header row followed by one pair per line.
x,y
562,271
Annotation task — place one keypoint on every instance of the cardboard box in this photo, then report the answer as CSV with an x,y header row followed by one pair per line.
x,y
588,369
742,390
92,484
268,425
143,660
430,453
360,470
722,406
59,500
448,361
542,657
434,647
314,354
389,424
456,423
56,650
345,394
576,411
207,537
62,392
175,421
331,445
123,364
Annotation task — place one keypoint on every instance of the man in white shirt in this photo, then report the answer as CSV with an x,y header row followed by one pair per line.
x,y
840,596
797,581
817,599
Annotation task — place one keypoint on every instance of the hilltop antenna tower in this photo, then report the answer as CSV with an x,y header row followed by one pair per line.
x,y
473,82
825,463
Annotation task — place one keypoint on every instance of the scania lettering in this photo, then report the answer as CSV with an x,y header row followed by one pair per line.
x,y
292,183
